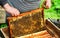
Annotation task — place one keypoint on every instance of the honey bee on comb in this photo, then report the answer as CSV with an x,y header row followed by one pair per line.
x,y
26,23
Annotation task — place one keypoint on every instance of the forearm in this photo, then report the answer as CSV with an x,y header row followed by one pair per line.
x,y
11,10
6,6
3,2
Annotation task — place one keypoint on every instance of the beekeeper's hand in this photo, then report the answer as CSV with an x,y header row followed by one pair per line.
x,y
48,3
13,11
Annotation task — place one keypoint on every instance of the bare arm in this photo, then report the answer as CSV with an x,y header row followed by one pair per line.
x,y
13,11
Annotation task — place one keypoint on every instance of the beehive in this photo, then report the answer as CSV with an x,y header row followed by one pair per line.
x,y
26,23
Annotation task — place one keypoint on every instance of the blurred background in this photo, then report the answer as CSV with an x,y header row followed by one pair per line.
x,y
54,11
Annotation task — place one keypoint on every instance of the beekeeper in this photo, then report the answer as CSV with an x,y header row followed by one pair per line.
x,y
15,7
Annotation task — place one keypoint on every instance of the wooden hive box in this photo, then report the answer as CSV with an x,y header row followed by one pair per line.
x,y
26,23
50,32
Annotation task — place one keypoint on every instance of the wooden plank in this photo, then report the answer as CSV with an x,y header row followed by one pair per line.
x,y
53,28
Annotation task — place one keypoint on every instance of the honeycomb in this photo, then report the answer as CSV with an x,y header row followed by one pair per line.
x,y
26,23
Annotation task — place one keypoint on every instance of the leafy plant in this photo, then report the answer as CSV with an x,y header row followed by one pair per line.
x,y
54,11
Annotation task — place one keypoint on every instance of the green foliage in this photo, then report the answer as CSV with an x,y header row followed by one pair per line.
x,y
56,3
54,11
3,25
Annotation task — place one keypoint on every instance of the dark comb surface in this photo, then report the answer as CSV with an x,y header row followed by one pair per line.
x,y
27,23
